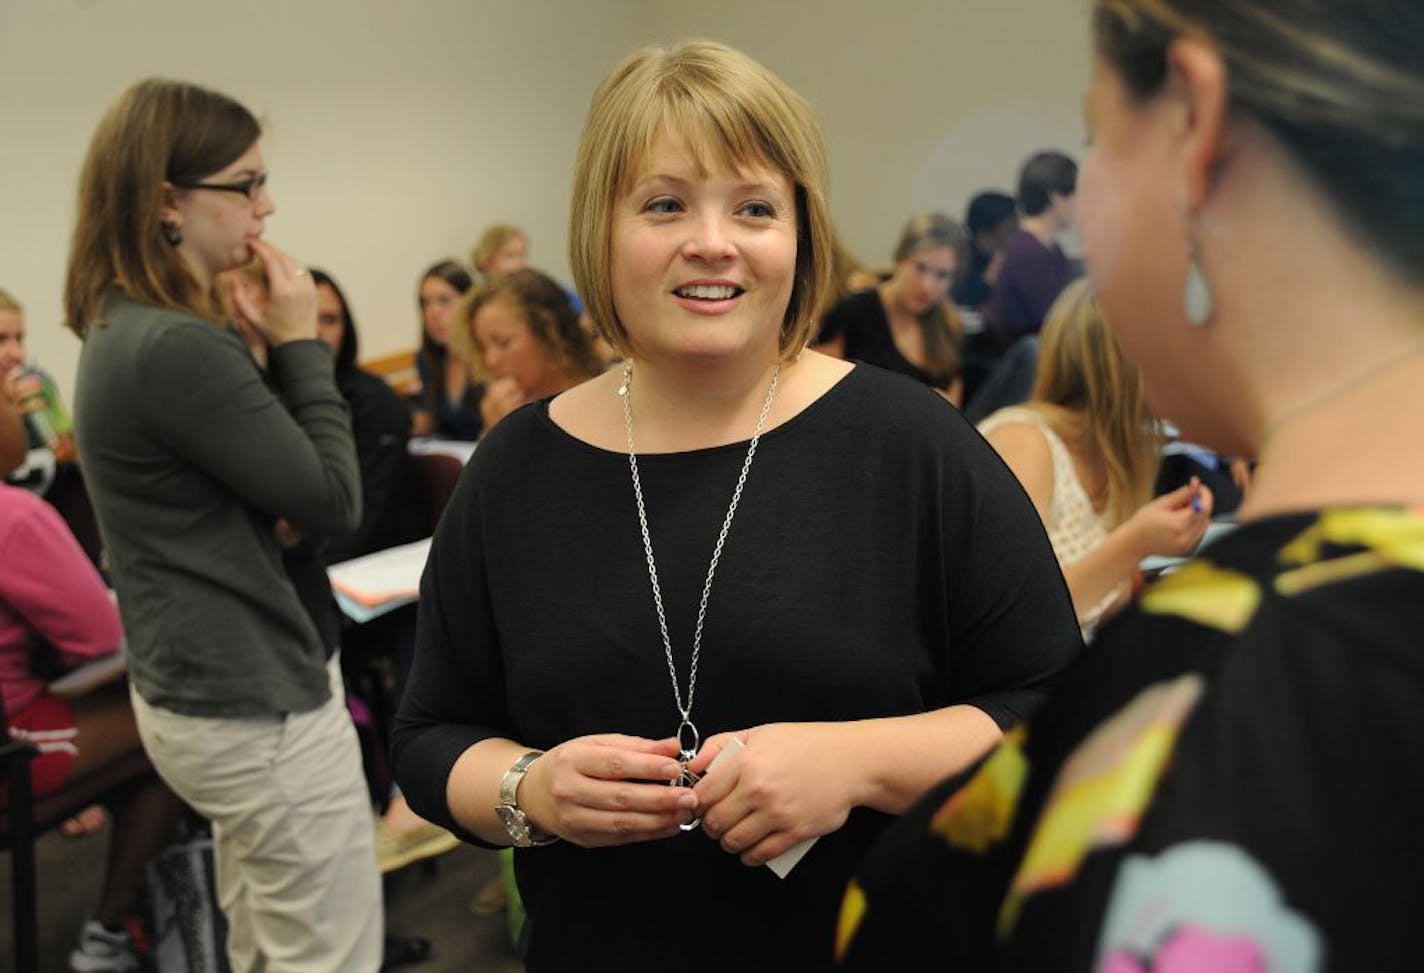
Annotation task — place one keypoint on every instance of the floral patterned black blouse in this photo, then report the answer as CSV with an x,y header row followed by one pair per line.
x,y
1230,779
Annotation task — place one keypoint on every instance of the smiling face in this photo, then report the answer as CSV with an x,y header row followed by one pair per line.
x,y
12,340
922,279
218,227
702,262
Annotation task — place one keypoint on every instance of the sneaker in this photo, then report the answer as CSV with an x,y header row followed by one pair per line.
x,y
102,951
397,849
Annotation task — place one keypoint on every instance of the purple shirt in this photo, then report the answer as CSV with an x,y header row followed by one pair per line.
x,y
1031,278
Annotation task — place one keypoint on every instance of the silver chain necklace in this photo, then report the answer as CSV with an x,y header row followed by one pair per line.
x,y
688,739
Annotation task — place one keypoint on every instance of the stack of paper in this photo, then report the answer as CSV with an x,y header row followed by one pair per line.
x,y
367,587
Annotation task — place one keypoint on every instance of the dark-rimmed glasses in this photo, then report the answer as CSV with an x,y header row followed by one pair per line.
x,y
251,188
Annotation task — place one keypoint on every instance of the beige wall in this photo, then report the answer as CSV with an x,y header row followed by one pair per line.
x,y
397,130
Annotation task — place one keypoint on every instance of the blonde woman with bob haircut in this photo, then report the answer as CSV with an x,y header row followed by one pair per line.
x,y
1086,449
732,548
1230,777
524,342
192,461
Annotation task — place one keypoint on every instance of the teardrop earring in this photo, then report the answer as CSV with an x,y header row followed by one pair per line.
x,y
1196,295
171,233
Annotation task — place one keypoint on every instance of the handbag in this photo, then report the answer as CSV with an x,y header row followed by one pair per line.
x,y
188,932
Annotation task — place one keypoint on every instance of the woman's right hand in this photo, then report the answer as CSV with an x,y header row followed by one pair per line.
x,y
1170,525
501,397
290,314
607,789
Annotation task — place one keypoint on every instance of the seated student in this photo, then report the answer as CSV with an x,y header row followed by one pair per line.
x,y
522,336
52,601
46,426
448,405
501,249
991,218
1035,270
47,422
905,324
1085,447
391,513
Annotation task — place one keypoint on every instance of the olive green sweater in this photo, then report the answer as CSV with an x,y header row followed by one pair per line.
x,y
190,458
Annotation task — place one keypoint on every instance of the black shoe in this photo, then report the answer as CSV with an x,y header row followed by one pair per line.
x,y
404,951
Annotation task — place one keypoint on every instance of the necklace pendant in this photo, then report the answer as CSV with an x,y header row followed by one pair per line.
x,y
687,779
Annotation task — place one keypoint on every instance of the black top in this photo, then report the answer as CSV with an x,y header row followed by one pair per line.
x,y
453,420
860,318
391,509
923,578
1229,778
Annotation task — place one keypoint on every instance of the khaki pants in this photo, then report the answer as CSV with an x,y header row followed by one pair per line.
x,y
292,829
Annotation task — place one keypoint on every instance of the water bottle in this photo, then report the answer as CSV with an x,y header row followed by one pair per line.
x,y
34,404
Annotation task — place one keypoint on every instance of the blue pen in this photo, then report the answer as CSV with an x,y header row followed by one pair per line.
x,y
1196,500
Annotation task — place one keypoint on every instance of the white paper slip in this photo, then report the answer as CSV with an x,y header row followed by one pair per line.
x,y
782,864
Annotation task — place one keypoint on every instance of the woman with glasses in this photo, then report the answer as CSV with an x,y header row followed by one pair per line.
x,y
906,324
192,463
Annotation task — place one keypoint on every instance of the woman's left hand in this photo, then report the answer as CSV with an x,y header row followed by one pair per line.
x,y
792,782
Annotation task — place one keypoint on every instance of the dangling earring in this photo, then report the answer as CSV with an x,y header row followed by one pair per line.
x,y
1196,295
171,233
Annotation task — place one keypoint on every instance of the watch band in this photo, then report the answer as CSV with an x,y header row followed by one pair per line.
x,y
509,784
521,832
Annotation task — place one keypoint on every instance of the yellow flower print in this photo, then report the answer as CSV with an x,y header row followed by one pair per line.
x,y
1206,594
852,912
1394,533
1102,789
980,812
1391,538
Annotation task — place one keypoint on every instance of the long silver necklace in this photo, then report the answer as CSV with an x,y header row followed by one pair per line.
x,y
688,739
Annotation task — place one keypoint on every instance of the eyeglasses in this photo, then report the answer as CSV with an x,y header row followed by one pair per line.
x,y
251,188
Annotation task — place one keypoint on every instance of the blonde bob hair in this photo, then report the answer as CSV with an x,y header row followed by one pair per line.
x,y
1083,369
158,131
731,112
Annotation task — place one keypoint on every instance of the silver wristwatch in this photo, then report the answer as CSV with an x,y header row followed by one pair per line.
x,y
521,833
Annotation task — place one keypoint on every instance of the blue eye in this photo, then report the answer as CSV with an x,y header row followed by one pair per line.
x,y
662,204
759,210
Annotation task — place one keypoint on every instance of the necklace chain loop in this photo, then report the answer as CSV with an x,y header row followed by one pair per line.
x,y
685,709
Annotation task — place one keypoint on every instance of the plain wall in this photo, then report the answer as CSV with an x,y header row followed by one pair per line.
x,y
396,132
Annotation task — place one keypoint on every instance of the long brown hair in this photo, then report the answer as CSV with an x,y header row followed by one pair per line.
x,y
157,131
943,332
1083,369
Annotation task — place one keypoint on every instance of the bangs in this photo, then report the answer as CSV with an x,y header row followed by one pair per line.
x,y
715,131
